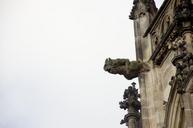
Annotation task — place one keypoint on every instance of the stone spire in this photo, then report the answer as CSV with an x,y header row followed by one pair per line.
x,y
132,105
142,6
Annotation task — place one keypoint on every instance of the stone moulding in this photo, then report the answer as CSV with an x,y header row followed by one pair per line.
x,y
182,15
162,48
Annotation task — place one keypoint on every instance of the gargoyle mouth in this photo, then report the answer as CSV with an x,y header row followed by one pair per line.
x,y
107,68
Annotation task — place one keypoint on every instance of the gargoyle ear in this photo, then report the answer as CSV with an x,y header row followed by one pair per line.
x,y
108,60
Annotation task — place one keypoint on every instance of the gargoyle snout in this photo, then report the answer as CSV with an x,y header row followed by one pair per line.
x,y
106,68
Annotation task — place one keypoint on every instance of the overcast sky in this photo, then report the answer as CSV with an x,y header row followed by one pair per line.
x,y
51,62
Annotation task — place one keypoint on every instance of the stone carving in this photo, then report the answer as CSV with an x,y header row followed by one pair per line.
x,y
162,47
174,34
179,45
168,21
155,39
184,11
183,17
183,14
132,105
149,6
184,71
165,24
183,62
130,69
125,120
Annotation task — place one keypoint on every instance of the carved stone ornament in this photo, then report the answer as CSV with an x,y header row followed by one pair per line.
x,y
184,12
163,47
149,6
131,104
184,67
129,69
183,21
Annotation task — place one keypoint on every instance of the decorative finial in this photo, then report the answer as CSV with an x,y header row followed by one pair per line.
x,y
132,105
133,84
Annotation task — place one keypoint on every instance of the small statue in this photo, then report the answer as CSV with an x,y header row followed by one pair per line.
x,y
130,69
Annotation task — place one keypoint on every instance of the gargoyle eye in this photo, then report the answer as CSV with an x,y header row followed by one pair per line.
x,y
109,60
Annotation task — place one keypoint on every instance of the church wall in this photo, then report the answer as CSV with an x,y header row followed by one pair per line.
x,y
154,85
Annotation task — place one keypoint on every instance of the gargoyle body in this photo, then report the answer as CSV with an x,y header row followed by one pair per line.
x,y
129,69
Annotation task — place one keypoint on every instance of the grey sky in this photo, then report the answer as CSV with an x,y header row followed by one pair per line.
x,y
51,62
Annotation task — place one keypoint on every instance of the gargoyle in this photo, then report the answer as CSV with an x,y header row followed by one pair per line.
x,y
129,69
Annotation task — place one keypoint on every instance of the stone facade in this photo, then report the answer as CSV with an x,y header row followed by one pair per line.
x,y
164,42
170,34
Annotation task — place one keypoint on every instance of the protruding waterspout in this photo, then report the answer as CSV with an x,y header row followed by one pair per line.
x,y
129,69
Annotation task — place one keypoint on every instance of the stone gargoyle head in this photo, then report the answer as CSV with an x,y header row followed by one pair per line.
x,y
129,69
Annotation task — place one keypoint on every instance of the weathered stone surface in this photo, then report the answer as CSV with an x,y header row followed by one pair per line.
x,y
171,37
141,7
129,69
133,106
